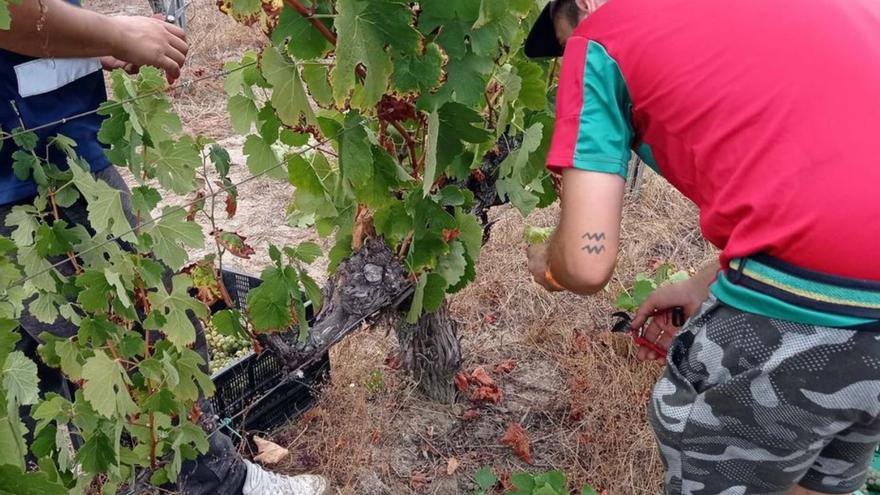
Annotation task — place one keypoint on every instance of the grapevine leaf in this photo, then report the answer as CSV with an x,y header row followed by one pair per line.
x,y
454,18
144,199
20,380
26,140
242,112
23,164
456,125
234,243
171,233
8,337
533,94
303,177
452,265
470,273
589,490
25,223
307,252
105,386
536,235
354,152
162,401
269,305
364,29
435,292
104,203
114,279
418,74
176,163
466,78
228,322
288,94
12,442
245,7
317,79
174,306
485,478
69,353
14,481
220,158
304,41
98,454
313,290
377,192
392,222
471,233
262,158
418,300
55,239
641,290
431,153
497,24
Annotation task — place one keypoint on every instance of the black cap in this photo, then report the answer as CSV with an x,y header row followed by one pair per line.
x,y
542,41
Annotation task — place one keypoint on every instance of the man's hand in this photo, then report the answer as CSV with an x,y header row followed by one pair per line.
x,y
151,41
688,294
112,63
539,257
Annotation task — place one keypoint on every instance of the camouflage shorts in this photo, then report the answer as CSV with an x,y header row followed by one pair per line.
x,y
752,405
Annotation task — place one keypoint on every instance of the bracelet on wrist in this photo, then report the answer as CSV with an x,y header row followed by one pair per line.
x,y
548,276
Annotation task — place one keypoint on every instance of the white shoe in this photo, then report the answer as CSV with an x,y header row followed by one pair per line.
x,y
259,481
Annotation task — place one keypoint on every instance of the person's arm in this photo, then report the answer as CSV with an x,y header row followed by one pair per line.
x,y
582,252
591,146
62,30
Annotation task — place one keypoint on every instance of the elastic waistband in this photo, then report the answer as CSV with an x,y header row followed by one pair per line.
x,y
807,288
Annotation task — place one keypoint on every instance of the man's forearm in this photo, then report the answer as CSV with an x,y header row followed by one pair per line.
x,y
59,30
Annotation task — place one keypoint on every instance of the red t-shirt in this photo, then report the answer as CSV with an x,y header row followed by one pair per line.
x,y
765,113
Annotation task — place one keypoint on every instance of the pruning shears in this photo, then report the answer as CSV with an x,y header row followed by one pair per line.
x,y
624,320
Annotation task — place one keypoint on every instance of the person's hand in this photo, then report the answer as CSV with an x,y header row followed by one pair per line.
x,y
539,257
151,41
688,294
112,63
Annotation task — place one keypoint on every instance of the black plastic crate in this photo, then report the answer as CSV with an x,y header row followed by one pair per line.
x,y
253,394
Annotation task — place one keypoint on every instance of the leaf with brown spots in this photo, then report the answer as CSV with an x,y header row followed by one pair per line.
x,y
231,205
234,243
517,439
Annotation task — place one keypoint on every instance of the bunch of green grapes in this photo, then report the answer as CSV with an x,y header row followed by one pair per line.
x,y
873,481
224,350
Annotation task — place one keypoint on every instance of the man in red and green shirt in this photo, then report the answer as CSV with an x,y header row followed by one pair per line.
x,y
762,113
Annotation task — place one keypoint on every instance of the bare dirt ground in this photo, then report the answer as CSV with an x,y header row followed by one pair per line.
x,y
576,389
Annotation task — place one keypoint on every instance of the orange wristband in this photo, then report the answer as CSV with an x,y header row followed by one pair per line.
x,y
548,276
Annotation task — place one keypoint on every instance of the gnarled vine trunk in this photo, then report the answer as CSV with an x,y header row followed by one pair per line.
x,y
371,280
431,351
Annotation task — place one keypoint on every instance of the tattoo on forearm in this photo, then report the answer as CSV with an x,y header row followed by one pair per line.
x,y
594,244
